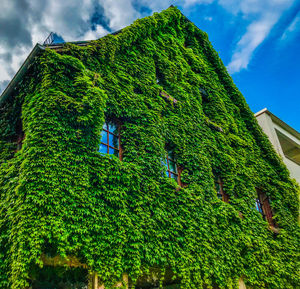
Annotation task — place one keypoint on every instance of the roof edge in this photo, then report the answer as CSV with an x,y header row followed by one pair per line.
x,y
22,70
280,122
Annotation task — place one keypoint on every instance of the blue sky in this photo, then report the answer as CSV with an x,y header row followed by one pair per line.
x,y
258,40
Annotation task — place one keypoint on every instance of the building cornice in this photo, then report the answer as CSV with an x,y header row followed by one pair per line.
x,y
279,122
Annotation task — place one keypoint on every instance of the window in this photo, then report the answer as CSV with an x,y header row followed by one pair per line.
x,y
258,206
172,170
262,205
19,136
61,277
20,139
110,142
220,191
202,91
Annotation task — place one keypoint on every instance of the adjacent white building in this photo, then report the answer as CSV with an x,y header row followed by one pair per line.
x,y
284,138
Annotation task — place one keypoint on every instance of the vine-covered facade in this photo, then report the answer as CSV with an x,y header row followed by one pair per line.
x,y
137,154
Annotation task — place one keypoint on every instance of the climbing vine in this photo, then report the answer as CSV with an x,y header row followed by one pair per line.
x,y
60,197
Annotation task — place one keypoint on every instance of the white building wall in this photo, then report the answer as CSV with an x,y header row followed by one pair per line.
x,y
269,128
293,168
266,123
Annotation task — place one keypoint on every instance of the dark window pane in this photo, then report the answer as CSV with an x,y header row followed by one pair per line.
x,y
217,186
104,126
171,155
175,177
113,128
103,149
218,189
113,141
219,195
104,137
202,91
172,166
59,277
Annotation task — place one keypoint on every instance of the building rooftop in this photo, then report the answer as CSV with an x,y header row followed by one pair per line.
x,y
280,122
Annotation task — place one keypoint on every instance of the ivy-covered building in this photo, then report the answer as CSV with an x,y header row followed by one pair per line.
x,y
135,157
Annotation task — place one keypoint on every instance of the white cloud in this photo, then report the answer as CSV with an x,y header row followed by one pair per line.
x,y
208,18
255,35
120,13
265,15
294,26
69,18
95,34
247,7
188,3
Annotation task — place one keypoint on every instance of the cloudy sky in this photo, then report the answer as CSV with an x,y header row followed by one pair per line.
x,y
258,40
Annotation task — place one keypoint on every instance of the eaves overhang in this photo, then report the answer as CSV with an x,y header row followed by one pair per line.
x,y
279,122
22,70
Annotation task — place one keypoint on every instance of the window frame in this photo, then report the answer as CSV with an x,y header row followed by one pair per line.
x,y
224,196
108,132
20,141
19,136
263,203
169,172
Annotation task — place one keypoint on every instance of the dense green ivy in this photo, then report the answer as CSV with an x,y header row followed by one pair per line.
x,y
60,197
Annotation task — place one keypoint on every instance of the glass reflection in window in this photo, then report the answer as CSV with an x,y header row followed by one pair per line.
x,y
110,141
171,167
